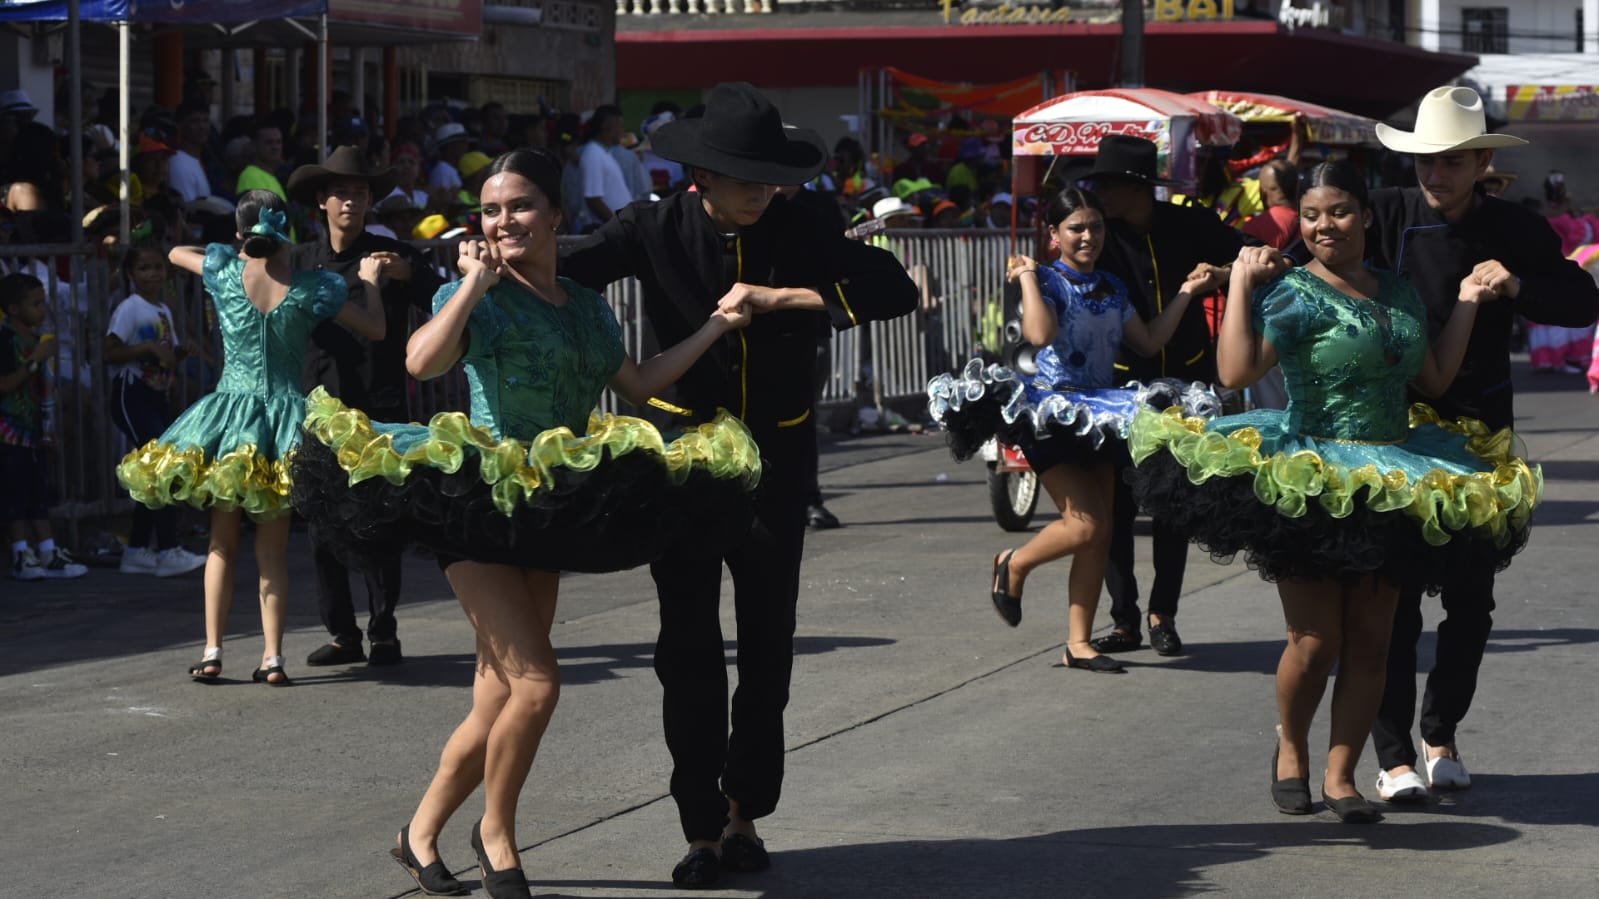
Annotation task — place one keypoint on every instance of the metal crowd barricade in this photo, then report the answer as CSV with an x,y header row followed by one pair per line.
x,y
960,274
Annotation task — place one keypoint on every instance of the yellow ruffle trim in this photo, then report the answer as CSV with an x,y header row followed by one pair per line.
x,y
160,474
1442,503
517,471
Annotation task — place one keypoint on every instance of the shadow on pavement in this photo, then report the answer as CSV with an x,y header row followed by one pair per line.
x,y
1564,511
1144,861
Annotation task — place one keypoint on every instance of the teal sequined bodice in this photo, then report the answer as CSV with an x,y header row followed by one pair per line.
x,y
531,365
264,353
1346,362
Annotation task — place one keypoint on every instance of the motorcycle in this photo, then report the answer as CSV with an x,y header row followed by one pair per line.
x,y
1012,485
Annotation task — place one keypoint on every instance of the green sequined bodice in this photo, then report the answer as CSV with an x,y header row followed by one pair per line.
x,y
532,366
1346,361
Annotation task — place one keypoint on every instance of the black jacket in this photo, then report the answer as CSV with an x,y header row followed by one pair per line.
x,y
763,373
1408,237
1154,266
368,376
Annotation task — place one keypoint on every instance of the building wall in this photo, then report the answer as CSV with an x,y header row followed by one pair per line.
x,y
1535,26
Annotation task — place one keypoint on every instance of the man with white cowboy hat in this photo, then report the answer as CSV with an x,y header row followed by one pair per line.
x,y
366,376
733,243
1436,234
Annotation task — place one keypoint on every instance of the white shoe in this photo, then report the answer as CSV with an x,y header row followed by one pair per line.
x,y
61,563
138,560
176,561
25,566
1407,787
1446,772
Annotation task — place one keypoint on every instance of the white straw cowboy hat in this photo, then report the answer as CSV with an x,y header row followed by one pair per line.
x,y
1448,119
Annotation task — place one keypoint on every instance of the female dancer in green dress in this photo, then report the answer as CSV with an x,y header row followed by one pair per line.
x,y
230,451
1344,495
530,483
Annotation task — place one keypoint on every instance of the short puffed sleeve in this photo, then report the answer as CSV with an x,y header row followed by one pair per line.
x,y
218,256
329,295
1054,289
1278,313
484,327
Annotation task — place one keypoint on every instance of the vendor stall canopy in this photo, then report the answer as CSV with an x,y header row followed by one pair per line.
x,y
162,11
1324,124
1072,125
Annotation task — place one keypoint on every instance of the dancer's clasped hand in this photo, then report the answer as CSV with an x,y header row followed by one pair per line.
x,y
482,259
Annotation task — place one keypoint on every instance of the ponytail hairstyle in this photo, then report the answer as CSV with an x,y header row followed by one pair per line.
x,y
539,165
262,217
1339,175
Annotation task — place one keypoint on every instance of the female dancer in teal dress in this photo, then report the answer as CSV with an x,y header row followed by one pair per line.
x,y
230,451
530,483
1345,494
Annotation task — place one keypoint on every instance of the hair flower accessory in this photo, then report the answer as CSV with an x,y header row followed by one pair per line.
x,y
272,223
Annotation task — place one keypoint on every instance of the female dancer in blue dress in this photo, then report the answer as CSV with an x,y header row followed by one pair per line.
x,y
230,451
1068,420
1345,494
529,484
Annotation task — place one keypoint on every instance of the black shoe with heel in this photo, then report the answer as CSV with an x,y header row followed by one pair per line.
x,y
434,879
1009,607
508,884
1291,795
1097,664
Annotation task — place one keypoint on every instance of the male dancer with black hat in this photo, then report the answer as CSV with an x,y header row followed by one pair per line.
x,y
732,242
1435,235
369,377
1153,247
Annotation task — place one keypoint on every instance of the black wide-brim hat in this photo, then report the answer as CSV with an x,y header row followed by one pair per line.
x,y
1127,158
742,136
343,164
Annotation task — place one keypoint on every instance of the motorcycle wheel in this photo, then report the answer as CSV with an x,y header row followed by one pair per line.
x,y
1014,496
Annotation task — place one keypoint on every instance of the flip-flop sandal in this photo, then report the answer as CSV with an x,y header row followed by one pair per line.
x,y
1009,607
274,666
198,669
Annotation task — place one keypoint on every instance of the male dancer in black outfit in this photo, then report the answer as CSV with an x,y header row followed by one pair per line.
x,y
369,377
731,243
1436,235
1153,247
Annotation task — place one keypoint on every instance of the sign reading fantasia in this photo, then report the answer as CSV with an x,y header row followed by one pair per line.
x,y
1317,14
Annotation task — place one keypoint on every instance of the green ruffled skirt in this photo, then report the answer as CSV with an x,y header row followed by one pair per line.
x,y
1451,494
615,497
228,450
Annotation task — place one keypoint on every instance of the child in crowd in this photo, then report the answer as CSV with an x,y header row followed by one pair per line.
x,y
142,348
24,464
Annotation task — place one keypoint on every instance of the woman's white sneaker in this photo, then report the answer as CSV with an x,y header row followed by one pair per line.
x,y
1406,787
1446,772
176,561
138,560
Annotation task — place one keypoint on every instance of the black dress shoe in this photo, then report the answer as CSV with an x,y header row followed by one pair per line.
x,y
1097,664
742,853
698,870
1117,640
1352,809
508,884
819,518
385,652
1291,795
434,879
1163,637
1009,607
336,654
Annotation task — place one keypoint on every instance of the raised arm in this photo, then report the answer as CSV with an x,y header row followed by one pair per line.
x,y
1449,350
1147,339
636,382
190,259
368,319
1242,356
442,340
1040,324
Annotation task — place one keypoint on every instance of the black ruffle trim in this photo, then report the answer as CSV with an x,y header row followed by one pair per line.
x,y
1225,518
622,514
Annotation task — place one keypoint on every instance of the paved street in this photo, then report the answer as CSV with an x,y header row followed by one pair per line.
x,y
933,752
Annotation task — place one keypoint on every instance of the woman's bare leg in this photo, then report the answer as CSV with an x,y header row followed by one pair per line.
x,y
1368,622
272,563
219,575
1314,614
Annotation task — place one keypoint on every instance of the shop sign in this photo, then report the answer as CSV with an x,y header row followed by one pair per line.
x,y
1193,10
1078,138
1552,102
1164,11
1316,15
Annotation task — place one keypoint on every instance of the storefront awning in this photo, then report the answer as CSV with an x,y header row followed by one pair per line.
x,y
1241,55
1324,124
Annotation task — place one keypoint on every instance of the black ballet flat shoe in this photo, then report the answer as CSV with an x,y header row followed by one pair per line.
x,y
1352,809
1117,641
1009,607
698,870
507,884
742,853
1097,664
1291,795
434,879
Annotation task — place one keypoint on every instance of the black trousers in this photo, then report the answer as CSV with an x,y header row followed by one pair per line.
x,y
1468,603
336,604
1171,560
711,763
140,412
